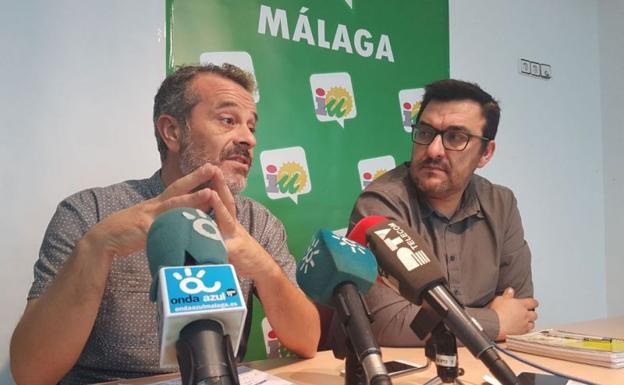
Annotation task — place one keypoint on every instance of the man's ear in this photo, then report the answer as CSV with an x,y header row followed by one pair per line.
x,y
170,132
487,154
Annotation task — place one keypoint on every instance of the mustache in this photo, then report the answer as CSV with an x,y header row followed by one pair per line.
x,y
436,163
238,149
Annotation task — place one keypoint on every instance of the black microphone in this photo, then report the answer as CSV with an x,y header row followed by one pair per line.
x,y
201,310
407,266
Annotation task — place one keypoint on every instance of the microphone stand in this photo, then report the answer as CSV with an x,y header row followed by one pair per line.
x,y
427,319
441,348
205,355
345,346
354,371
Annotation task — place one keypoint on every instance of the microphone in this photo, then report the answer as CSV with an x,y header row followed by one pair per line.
x,y
336,271
201,310
407,266
358,232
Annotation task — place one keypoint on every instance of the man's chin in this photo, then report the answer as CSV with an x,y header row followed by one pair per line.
x,y
432,186
236,183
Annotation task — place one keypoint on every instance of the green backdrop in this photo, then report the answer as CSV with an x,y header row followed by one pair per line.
x,y
338,82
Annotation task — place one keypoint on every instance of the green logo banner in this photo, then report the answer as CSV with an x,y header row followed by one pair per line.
x,y
338,84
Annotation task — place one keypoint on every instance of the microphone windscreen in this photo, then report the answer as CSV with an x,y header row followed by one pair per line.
x,y
404,259
358,232
183,236
332,260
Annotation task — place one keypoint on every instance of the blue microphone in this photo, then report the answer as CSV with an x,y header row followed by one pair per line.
x,y
336,271
201,310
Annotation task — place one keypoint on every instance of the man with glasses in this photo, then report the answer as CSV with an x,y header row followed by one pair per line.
x,y
472,225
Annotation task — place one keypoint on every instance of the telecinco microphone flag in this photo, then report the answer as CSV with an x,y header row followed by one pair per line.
x,y
406,263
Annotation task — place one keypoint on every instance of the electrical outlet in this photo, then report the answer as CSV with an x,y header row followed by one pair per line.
x,y
545,71
525,66
535,69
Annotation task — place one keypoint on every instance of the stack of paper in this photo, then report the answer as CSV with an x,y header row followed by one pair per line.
x,y
589,349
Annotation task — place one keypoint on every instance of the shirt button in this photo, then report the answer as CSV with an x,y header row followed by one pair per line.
x,y
456,291
452,258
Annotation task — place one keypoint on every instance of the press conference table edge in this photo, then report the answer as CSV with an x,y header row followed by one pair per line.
x,y
324,369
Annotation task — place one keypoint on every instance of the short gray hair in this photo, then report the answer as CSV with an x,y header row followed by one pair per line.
x,y
176,97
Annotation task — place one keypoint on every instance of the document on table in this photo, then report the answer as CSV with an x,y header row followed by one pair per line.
x,y
246,376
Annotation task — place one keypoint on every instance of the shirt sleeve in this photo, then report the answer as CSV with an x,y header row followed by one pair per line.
x,y
375,203
392,314
278,248
515,264
271,235
67,226
487,318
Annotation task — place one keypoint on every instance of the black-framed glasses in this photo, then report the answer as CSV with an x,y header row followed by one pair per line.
x,y
452,140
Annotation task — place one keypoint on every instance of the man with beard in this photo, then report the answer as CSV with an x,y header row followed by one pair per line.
x,y
472,225
88,317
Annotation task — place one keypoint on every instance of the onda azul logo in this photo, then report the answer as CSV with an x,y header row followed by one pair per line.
x,y
286,173
190,284
207,286
410,101
203,224
333,98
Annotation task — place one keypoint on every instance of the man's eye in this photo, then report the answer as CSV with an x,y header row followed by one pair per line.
x,y
425,133
228,121
455,136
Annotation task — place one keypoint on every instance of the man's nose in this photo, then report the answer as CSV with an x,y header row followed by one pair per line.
x,y
245,136
436,148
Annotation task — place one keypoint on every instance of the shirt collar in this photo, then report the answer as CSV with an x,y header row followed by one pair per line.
x,y
155,184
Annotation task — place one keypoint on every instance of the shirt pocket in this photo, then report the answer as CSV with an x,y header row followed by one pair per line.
x,y
127,318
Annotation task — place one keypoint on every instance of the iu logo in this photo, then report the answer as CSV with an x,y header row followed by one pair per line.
x,y
410,105
286,173
372,168
333,98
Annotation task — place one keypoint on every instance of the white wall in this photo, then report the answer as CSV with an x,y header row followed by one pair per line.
x,y
550,140
611,29
77,82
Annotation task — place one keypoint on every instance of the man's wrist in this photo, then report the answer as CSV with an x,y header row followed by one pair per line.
x,y
269,272
93,245
487,319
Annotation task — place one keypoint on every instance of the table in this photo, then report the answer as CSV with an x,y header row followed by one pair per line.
x,y
324,369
